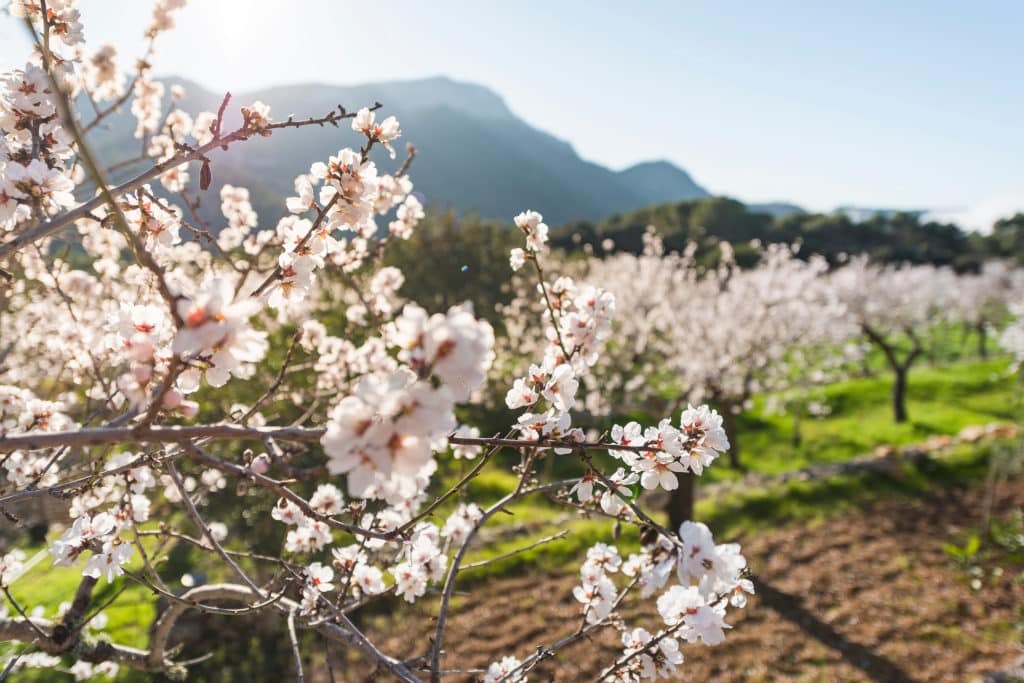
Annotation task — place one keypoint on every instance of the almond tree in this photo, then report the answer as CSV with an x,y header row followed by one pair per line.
x,y
894,307
133,328
981,299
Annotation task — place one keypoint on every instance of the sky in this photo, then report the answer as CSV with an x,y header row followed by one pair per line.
x,y
907,104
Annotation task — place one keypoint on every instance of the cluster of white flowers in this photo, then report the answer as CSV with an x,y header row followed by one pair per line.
x,y
691,447
454,347
100,535
216,339
35,181
461,522
83,671
464,451
309,535
653,660
103,77
124,493
340,364
383,435
578,321
63,18
423,562
11,566
384,132
235,206
500,670
710,578
155,221
146,106
535,230
351,191
21,411
163,16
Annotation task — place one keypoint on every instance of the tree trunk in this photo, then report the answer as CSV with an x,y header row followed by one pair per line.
x,y
982,339
899,394
680,503
729,422
797,436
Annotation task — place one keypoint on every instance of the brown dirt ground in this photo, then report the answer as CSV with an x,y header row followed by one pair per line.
x,y
868,596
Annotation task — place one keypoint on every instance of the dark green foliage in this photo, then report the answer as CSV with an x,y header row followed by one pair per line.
x,y
450,260
886,236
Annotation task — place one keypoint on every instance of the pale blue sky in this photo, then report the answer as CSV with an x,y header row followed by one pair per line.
x,y
901,104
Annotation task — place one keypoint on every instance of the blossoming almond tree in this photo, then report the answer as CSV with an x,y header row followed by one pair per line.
x,y
981,299
130,322
894,307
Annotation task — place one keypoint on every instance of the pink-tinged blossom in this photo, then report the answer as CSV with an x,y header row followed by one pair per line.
x,y
109,561
216,333
700,620
455,347
500,670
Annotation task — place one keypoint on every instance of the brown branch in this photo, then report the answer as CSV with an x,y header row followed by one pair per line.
x,y
98,436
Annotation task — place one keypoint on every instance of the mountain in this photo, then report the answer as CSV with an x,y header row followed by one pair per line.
x,y
658,182
473,152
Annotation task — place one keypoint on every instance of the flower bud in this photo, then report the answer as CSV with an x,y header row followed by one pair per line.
x,y
172,399
261,463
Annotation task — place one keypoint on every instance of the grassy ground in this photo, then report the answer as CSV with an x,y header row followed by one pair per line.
x,y
50,586
942,400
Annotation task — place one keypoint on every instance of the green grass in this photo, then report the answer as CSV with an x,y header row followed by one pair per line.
x,y
49,586
757,510
941,401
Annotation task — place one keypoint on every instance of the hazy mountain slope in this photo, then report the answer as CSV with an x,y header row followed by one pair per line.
x,y
657,182
474,154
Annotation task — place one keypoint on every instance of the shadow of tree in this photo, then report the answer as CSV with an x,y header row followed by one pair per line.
x,y
789,607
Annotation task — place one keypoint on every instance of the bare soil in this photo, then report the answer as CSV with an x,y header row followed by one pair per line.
x,y
865,596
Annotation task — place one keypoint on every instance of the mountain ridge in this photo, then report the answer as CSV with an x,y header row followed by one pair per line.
x,y
473,153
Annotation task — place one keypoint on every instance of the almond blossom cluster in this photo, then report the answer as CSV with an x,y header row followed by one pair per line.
x,y
345,194
383,436
21,411
710,578
691,447
578,321
215,339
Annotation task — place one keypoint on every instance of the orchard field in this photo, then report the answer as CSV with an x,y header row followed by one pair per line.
x,y
361,438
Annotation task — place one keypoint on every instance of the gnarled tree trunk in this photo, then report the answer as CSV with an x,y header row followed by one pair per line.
x,y
899,393
729,422
680,503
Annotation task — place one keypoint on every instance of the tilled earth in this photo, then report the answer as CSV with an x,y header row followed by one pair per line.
x,y
865,596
